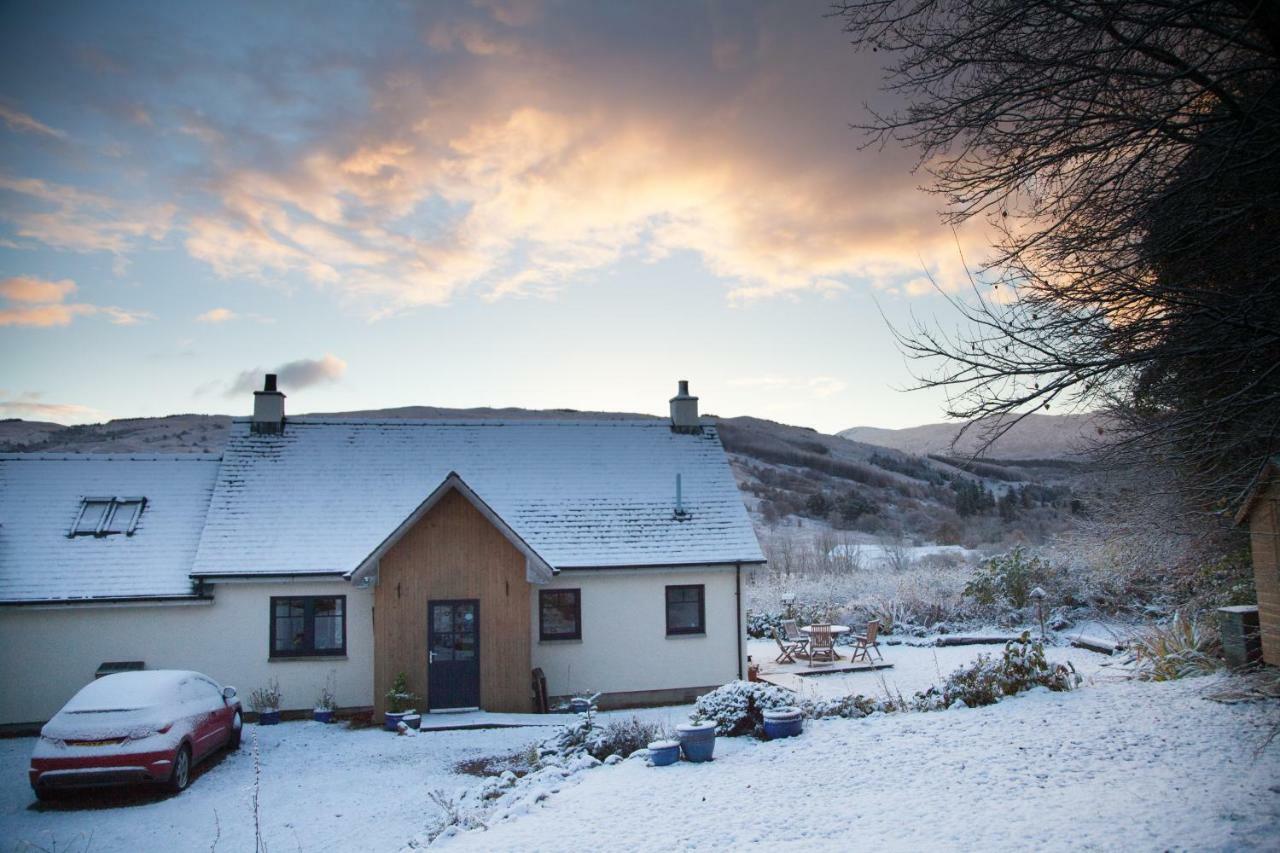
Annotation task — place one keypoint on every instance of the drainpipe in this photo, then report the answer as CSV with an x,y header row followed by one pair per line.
x,y
737,594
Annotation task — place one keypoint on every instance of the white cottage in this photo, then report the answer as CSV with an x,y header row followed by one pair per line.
x,y
608,554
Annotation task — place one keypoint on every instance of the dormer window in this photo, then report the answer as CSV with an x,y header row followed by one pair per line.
x,y
103,516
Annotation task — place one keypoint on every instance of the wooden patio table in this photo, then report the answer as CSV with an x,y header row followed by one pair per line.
x,y
836,631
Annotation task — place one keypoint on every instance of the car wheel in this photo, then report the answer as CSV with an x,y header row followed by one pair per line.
x,y
45,795
237,726
181,775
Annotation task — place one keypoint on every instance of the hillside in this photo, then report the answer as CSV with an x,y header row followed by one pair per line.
x,y
793,478
1034,437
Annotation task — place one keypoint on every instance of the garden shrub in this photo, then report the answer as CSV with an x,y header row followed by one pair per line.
x,y
848,707
987,680
738,707
1007,578
1176,650
619,737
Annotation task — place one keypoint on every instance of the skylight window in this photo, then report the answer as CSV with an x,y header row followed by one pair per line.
x,y
102,516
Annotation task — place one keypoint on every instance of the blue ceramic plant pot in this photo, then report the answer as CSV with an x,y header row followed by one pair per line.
x,y
782,722
697,740
322,715
268,718
391,721
664,752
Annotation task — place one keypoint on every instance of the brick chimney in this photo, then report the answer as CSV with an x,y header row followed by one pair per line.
x,y
684,410
268,408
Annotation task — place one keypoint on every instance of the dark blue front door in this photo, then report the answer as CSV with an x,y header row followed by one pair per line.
x,y
453,662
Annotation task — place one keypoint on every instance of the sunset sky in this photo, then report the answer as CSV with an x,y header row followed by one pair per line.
x,y
527,204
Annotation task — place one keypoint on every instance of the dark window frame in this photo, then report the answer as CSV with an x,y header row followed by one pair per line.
x,y
577,614
701,627
308,628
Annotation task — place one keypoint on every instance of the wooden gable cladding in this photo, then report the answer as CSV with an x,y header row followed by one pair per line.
x,y
453,552
1264,534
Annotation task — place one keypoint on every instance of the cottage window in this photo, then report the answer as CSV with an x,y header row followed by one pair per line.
x,y
310,625
560,614
686,609
102,516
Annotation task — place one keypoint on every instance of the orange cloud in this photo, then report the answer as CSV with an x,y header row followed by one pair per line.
x,y
82,221
41,304
519,160
29,289
43,316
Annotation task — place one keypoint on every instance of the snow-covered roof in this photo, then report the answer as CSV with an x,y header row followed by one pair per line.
x,y
323,494
40,500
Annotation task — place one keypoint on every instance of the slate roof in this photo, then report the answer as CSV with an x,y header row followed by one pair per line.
x,y
40,499
322,495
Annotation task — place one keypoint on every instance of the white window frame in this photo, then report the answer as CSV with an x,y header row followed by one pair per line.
x,y
113,505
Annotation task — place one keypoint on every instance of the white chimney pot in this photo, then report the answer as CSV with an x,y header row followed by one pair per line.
x,y
684,410
268,408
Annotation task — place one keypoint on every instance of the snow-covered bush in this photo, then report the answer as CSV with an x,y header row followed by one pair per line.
x,y
618,737
987,680
848,707
1176,650
738,707
1008,579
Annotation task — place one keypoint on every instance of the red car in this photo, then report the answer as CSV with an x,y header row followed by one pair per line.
x,y
130,727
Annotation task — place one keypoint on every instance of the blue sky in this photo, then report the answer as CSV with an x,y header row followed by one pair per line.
x,y
528,204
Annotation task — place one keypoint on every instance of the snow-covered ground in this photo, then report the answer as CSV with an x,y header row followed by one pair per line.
x,y
1112,765
322,788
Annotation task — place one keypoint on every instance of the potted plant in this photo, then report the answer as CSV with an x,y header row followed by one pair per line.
x,y
782,722
327,700
399,702
664,752
697,740
266,701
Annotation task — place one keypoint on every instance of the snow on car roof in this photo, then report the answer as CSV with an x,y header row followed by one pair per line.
x,y
322,495
129,691
41,499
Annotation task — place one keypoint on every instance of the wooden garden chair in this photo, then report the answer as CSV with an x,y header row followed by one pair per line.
x,y
822,643
786,648
864,645
792,634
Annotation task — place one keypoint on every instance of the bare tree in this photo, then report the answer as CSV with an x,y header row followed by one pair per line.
x,y
1127,155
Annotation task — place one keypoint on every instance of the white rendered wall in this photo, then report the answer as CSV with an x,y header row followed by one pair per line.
x,y
49,654
625,647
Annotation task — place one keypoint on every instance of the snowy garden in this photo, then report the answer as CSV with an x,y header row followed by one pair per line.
x,y
1113,762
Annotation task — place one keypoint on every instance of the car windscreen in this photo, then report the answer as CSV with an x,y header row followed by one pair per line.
x,y
127,691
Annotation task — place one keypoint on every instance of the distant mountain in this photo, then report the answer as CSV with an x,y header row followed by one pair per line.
x,y
1034,437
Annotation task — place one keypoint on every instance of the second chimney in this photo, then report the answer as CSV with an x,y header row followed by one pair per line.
x,y
684,410
268,408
